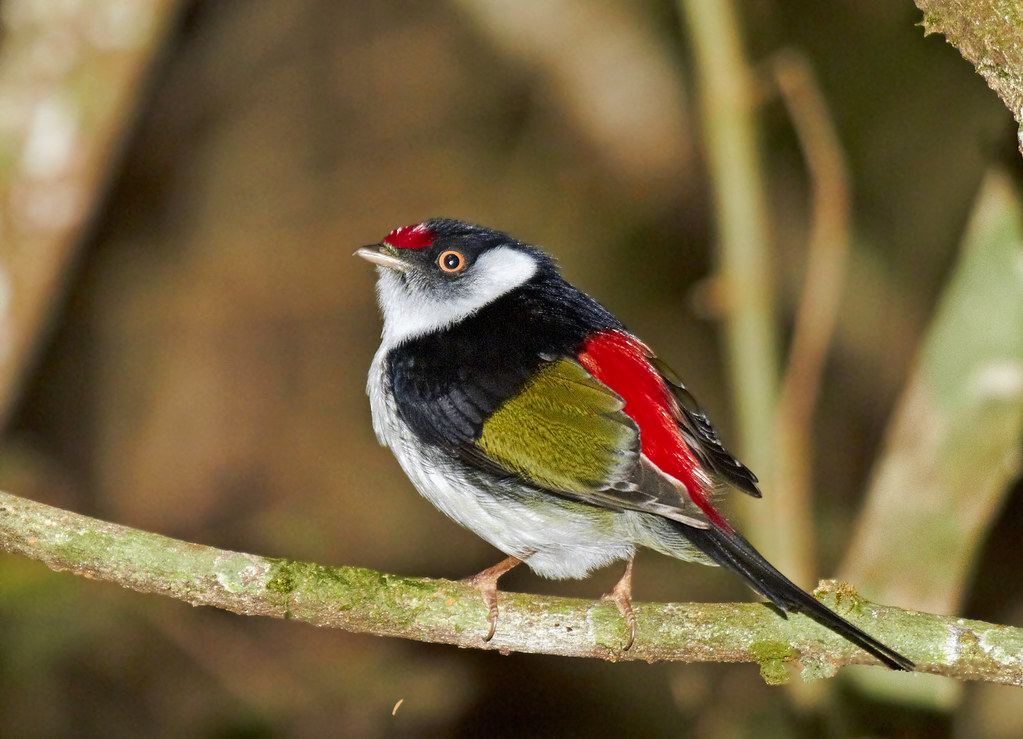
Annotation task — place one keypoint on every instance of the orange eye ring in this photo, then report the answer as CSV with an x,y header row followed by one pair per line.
x,y
451,261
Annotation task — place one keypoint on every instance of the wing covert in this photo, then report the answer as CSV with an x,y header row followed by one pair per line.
x,y
564,431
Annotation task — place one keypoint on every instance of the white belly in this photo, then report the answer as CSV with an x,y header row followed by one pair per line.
x,y
557,538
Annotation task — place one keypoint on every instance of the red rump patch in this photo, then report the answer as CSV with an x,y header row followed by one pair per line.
x,y
620,361
417,236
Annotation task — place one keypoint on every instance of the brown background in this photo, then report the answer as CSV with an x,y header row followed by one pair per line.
x,y
205,376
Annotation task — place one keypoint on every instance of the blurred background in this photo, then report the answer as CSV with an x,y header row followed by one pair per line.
x,y
194,360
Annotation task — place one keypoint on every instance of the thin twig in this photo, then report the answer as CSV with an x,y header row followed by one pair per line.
x,y
827,253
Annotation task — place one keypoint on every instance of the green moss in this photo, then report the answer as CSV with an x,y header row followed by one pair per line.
x,y
282,578
560,609
609,627
931,23
772,656
817,670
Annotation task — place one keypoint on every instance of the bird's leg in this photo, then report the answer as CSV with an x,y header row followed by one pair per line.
x,y
486,583
621,594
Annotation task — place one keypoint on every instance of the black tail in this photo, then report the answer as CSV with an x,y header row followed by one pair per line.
x,y
738,555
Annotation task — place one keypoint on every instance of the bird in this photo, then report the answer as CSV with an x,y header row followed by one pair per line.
x,y
526,412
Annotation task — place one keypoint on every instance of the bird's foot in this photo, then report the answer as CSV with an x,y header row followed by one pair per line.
x,y
486,583
621,594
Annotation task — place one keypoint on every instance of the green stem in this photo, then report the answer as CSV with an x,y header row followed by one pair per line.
x,y
727,104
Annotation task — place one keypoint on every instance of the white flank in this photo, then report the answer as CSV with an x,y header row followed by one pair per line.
x,y
412,309
555,539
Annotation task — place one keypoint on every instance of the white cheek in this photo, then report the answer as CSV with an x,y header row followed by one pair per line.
x,y
410,310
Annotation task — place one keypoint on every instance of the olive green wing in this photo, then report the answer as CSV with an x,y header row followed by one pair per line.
x,y
567,432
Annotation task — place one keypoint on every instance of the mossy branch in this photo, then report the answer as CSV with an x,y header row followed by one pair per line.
x,y
361,600
989,34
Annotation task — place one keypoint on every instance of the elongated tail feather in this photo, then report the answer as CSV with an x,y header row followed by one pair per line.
x,y
734,552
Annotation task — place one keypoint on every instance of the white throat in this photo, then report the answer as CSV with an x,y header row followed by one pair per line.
x,y
411,309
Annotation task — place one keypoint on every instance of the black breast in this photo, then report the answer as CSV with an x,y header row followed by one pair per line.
x,y
446,384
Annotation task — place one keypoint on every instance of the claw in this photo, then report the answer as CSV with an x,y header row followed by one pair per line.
x,y
621,594
486,583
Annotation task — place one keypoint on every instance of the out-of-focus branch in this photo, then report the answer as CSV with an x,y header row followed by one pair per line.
x,y
69,73
612,76
956,440
360,600
818,306
989,34
727,103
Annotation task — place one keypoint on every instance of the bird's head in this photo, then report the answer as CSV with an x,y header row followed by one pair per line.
x,y
439,272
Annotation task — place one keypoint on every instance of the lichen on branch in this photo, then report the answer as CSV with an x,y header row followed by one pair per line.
x,y
422,609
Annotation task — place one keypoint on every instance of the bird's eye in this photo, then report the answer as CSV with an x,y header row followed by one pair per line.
x,y
451,261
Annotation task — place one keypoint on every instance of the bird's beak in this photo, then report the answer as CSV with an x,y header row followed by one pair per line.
x,y
383,255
